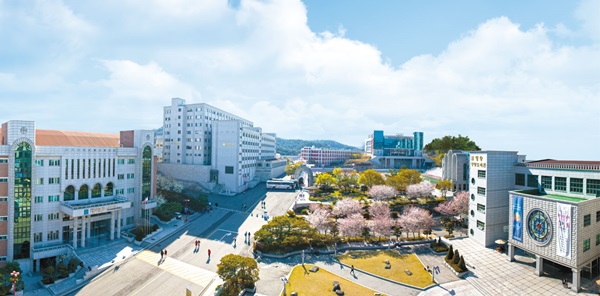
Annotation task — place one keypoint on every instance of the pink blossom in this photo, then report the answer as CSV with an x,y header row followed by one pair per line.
x,y
353,225
346,207
380,192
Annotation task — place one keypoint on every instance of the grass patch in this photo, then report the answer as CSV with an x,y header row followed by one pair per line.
x,y
321,283
374,262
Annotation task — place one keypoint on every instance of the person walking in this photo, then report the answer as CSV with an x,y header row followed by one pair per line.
x,y
352,270
162,253
165,253
208,253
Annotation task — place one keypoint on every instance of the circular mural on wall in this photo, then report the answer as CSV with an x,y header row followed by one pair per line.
x,y
539,226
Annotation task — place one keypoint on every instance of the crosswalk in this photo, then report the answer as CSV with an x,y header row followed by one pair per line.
x,y
183,270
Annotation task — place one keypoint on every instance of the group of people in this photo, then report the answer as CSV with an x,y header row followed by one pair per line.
x,y
263,204
565,282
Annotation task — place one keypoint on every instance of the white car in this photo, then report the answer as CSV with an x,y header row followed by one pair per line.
x,y
178,215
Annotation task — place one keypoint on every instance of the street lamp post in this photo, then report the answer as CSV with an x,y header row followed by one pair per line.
x,y
186,210
14,276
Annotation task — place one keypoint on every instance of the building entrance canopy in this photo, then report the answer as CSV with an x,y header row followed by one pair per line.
x,y
91,208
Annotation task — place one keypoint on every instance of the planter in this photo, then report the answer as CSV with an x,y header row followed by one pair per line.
x,y
137,242
250,290
458,274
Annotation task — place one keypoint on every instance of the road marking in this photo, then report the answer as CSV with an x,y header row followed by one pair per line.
x,y
178,268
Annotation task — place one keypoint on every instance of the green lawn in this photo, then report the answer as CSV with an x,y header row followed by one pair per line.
x,y
321,283
374,262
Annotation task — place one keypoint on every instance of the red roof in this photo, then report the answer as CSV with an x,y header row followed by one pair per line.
x,y
78,139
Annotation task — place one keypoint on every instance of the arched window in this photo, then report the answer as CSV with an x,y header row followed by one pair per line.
x,y
108,190
97,191
146,172
69,193
83,192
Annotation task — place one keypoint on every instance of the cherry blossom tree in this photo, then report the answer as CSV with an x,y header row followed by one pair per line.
x,y
346,207
415,219
456,206
379,209
353,225
381,192
319,218
382,225
422,189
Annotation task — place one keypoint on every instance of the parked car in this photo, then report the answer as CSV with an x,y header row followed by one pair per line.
x,y
178,215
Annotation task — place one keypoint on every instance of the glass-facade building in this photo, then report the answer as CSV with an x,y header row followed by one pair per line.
x,y
396,151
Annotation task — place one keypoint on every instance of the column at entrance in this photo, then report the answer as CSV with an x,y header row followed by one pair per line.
x,y
89,226
511,252
576,280
119,224
539,263
83,223
112,225
74,232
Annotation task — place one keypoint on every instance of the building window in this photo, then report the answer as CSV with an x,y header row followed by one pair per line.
x,y
473,197
39,162
69,193
481,208
576,185
586,244
131,190
481,190
53,198
130,176
54,180
22,200
3,218
39,181
146,172
120,176
120,191
593,187
3,160
587,220
480,225
481,174
560,184
38,217
597,239
121,161
37,237
532,181
3,180
129,221
228,170
547,182
53,235
520,179
54,162
131,161
597,216
39,199
53,216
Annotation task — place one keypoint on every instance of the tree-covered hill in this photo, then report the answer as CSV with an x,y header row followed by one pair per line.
x,y
293,146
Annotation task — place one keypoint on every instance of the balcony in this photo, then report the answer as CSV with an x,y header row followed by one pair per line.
x,y
149,204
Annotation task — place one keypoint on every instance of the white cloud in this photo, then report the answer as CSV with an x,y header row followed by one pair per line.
x,y
504,86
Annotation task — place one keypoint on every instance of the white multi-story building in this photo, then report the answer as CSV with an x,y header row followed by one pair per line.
x,y
214,148
62,190
548,208
325,157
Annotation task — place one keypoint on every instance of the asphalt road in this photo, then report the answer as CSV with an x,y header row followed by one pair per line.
x,y
185,266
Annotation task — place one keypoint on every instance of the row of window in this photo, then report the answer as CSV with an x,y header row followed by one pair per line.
x,y
51,180
575,185
51,162
51,217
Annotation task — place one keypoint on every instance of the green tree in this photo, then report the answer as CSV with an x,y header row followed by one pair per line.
x,y
444,186
291,167
450,254
238,272
277,229
370,178
325,181
6,280
347,181
451,143
403,178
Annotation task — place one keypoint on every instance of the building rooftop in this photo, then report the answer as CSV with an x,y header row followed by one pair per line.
x,y
563,164
553,161
535,192
78,139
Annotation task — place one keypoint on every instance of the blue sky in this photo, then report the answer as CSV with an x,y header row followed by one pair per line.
x,y
510,75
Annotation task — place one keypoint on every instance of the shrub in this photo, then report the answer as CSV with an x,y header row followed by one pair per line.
x,y
291,214
394,214
449,254
438,247
449,227
154,227
73,264
461,266
48,277
305,212
63,271
456,257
